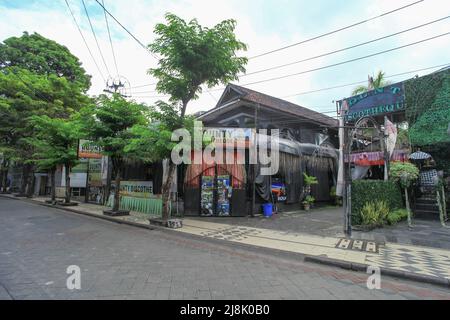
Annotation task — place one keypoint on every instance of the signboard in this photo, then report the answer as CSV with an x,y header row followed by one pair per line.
x,y
228,134
379,101
137,189
95,173
279,191
87,150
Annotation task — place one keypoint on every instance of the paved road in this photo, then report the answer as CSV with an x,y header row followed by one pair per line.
x,y
38,243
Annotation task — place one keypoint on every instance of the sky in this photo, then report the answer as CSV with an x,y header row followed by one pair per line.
x,y
263,25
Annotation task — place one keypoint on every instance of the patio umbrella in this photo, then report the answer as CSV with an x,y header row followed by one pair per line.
x,y
419,155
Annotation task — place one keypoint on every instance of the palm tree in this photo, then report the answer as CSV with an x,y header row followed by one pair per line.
x,y
372,83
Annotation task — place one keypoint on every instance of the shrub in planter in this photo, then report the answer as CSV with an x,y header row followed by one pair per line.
x,y
374,213
364,191
397,216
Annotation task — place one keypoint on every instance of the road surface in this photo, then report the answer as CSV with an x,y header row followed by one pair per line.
x,y
38,244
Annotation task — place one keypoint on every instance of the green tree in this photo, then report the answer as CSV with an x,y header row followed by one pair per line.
x,y
405,174
191,56
37,77
109,123
26,94
56,143
373,83
43,56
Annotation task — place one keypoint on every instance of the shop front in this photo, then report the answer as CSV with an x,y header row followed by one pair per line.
x,y
215,189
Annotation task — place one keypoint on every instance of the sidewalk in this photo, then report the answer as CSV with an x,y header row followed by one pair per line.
x,y
414,262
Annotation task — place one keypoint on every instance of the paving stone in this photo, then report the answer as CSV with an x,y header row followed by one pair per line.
x,y
131,263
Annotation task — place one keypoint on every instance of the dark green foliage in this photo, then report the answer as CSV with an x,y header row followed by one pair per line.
x,y
397,216
431,126
364,191
43,56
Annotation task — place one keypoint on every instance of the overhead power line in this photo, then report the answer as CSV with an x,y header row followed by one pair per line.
x,y
84,40
335,31
344,49
95,37
128,31
347,61
318,56
361,82
337,86
144,85
110,40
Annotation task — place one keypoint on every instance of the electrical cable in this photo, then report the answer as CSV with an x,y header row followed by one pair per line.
x,y
335,31
110,40
85,42
344,49
95,37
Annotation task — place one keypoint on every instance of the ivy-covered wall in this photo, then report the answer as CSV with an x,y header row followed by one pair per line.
x,y
430,125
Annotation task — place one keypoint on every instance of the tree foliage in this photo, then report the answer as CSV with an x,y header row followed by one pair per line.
x,y
376,82
55,141
43,56
404,172
192,55
108,123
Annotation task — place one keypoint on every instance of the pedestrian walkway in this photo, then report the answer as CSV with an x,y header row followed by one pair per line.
x,y
409,259
404,258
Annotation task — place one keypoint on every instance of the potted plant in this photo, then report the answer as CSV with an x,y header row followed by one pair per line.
x,y
309,181
335,197
307,202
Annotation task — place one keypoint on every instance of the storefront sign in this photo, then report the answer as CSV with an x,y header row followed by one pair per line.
x,y
87,150
228,134
137,189
379,101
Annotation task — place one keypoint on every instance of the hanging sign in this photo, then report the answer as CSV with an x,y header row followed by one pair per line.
x,y
379,101
87,150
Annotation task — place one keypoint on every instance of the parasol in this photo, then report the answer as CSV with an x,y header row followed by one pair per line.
x,y
419,155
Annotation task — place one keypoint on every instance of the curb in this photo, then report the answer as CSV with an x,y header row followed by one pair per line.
x,y
103,217
387,271
359,267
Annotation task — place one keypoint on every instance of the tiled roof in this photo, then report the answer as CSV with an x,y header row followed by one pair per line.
x,y
283,105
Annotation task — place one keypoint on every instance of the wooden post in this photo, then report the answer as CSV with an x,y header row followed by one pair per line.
x,y
86,195
386,153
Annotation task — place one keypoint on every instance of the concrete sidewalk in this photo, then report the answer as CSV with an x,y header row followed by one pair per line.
x,y
413,262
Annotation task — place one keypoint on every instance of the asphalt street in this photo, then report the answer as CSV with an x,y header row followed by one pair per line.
x,y
38,244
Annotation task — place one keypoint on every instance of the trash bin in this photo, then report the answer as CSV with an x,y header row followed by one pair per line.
x,y
267,209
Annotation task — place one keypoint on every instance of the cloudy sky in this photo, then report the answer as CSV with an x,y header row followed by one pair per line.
x,y
263,26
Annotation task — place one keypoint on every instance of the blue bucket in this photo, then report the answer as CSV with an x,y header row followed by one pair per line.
x,y
267,209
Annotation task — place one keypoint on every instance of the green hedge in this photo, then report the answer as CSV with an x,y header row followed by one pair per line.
x,y
364,191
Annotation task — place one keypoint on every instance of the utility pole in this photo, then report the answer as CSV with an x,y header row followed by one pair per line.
x,y
347,198
119,85
255,166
